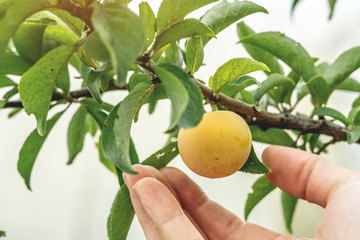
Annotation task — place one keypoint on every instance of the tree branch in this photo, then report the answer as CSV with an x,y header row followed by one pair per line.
x,y
75,94
266,120
262,119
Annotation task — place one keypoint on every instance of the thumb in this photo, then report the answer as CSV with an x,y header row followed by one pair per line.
x,y
304,175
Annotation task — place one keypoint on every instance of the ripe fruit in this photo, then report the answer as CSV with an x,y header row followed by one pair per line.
x,y
218,146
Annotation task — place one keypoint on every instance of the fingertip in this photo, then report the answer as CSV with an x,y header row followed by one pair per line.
x,y
131,180
168,171
272,153
145,183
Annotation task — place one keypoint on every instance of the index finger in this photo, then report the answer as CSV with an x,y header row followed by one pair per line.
x,y
304,175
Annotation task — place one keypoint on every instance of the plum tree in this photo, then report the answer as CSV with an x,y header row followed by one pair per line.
x,y
46,46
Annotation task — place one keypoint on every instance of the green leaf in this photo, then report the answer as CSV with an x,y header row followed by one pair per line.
x,y
12,92
68,29
37,84
195,109
288,203
194,54
356,103
245,96
354,116
28,39
353,136
95,48
294,4
134,158
261,188
116,131
121,215
137,78
162,157
92,79
106,162
13,13
6,82
173,54
301,90
177,93
148,17
93,103
349,84
106,80
77,130
332,7
63,81
2,103
98,115
226,13
123,34
314,142
254,165
343,66
233,69
273,81
157,94
2,233
13,112
325,111
92,125
318,89
13,64
238,84
285,49
257,53
171,11
31,148
272,136
182,29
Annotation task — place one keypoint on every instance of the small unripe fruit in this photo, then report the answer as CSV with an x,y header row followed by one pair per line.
x,y
218,146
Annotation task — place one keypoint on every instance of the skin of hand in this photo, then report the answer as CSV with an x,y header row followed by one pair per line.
x,y
170,206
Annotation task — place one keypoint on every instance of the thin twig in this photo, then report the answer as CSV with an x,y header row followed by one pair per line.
x,y
72,95
294,144
325,146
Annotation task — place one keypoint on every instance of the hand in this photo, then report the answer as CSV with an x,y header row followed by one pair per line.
x,y
169,205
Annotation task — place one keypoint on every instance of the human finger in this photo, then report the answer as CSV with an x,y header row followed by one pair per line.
x,y
159,176
304,175
164,210
214,220
145,221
